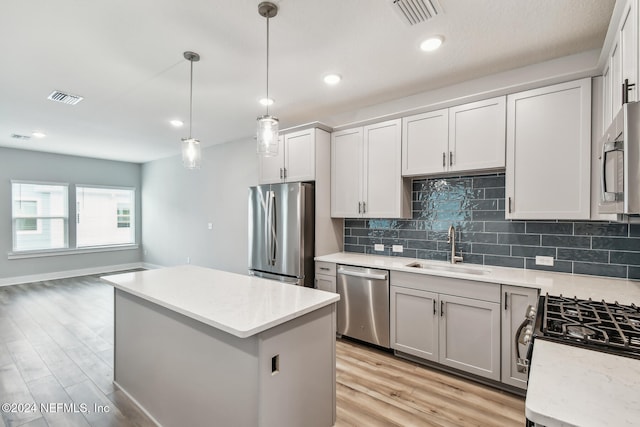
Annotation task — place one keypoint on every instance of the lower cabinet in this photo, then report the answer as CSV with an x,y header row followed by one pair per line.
x,y
449,321
515,300
325,276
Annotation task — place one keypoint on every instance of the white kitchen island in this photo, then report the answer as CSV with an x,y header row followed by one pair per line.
x,y
202,347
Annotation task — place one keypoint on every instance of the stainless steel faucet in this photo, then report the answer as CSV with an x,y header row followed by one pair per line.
x,y
451,238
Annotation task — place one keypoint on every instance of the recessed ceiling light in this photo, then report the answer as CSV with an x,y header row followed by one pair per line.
x,y
266,101
38,134
176,123
332,79
431,44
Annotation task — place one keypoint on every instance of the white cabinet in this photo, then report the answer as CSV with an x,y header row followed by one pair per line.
x,y
366,177
425,139
325,276
295,160
449,321
414,322
515,300
470,335
621,66
467,137
548,152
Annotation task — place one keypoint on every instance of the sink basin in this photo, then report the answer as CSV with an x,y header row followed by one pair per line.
x,y
454,268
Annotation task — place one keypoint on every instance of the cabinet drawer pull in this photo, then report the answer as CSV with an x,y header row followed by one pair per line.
x,y
325,268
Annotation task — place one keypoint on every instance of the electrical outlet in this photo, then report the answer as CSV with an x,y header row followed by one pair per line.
x,y
397,248
378,247
544,260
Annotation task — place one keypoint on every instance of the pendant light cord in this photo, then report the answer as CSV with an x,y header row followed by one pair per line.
x,y
191,98
268,65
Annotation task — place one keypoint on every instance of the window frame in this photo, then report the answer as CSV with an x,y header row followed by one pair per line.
x,y
132,216
38,217
70,232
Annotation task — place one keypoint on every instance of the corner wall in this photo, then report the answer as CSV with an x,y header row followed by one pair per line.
x,y
179,204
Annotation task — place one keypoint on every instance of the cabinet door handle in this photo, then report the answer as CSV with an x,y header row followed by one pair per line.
x,y
626,87
444,159
359,207
450,158
505,300
441,308
284,173
280,173
364,207
509,201
435,307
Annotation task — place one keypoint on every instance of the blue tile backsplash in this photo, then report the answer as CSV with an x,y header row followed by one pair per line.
x,y
475,206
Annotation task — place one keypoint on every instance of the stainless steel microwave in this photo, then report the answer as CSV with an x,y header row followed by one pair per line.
x,y
620,163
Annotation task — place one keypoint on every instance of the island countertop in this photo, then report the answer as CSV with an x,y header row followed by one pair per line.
x,y
239,305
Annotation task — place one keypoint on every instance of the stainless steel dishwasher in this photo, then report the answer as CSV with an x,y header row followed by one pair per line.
x,y
363,309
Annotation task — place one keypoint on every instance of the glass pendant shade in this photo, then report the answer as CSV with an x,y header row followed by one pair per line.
x,y
267,136
191,154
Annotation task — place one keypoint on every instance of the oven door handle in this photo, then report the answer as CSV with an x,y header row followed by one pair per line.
x,y
522,364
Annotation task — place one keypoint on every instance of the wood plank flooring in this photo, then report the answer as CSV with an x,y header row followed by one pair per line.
x,y
56,347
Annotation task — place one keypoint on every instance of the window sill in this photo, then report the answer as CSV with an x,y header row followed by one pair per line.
x,y
74,251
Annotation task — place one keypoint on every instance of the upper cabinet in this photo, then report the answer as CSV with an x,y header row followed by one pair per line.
x,y
620,74
366,179
295,161
469,137
548,152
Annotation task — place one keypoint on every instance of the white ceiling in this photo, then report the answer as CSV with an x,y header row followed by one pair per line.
x,y
126,59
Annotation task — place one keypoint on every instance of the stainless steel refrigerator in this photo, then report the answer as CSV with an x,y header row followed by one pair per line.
x,y
281,232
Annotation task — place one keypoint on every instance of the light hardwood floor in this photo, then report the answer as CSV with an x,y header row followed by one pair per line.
x,y
56,347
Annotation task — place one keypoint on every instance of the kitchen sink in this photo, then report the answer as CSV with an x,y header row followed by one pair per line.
x,y
454,268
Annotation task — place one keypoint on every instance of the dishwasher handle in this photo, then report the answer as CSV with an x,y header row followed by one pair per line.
x,y
363,275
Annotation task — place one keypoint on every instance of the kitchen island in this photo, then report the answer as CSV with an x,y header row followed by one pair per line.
x,y
201,347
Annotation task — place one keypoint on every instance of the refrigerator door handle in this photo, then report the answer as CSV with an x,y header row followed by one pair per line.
x,y
272,228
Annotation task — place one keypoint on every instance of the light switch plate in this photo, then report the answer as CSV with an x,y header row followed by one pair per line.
x,y
544,260
378,247
397,248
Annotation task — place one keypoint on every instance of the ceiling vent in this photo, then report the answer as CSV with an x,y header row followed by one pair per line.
x,y
20,137
65,98
416,11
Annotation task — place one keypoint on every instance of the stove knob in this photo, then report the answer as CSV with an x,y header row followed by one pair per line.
x,y
531,312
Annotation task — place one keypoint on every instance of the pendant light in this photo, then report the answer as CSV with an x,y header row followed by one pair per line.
x,y
191,154
267,132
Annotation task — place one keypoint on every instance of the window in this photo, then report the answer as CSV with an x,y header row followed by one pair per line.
x,y
104,216
39,216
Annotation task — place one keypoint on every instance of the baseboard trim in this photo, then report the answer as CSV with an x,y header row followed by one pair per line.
x,y
136,403
69,273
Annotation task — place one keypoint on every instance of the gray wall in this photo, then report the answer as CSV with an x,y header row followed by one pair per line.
x,y
37,166
179,203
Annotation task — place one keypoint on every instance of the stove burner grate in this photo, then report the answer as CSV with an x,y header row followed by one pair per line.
x,y
610,326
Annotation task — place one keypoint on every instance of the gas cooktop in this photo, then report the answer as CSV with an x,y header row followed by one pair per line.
x,y
599,325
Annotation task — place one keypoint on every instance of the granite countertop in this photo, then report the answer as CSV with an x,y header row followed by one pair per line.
x,y
570,285
572,386
239,305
